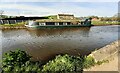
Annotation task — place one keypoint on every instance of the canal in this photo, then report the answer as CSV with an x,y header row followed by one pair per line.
x,y
44,44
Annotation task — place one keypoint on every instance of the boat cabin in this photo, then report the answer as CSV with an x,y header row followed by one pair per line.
x,y
46,23
62,20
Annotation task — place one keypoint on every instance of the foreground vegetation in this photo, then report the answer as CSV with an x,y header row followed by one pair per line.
x,y
20,61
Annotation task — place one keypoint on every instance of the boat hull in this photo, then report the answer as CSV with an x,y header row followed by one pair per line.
x,y
57,26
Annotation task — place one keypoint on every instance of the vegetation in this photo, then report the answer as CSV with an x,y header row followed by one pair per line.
x,y
3,16
20,24
19,61
52,17
64,63
16,58
105,23
88,62
114,18
104,20
101,62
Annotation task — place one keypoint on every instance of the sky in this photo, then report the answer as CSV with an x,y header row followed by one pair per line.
x,y
40,8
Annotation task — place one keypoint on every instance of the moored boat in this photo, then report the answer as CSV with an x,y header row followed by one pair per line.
x,y
66,22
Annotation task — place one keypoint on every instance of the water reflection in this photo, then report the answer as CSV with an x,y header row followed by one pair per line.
x,y
43,44
58,31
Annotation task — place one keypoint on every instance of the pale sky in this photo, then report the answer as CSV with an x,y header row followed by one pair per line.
x,y
76,7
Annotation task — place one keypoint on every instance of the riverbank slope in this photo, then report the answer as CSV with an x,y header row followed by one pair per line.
x,y
109,52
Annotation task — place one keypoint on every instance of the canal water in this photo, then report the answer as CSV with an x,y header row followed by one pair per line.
x,y
44,44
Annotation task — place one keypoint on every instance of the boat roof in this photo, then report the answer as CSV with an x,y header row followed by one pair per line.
x,y
57,20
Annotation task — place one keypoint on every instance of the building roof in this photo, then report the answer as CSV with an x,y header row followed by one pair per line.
x,y
24,18
66,14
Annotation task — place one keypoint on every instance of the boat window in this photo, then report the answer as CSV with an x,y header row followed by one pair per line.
x,y
36,23
50,23
41,23
64,23
56,23
60,23
68,23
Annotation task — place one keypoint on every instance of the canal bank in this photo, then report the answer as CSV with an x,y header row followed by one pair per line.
x,y
111,53
12,27
20,25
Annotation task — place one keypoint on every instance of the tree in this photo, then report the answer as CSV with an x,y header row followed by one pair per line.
x,y
1,13
94,17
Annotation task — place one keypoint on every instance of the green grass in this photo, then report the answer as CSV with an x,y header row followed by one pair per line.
x,y
14,25
105,23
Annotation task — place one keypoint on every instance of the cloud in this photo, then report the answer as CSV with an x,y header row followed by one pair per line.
x,y
23,9
59,0
53,8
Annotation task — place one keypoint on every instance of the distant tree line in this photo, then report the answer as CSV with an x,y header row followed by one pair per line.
x,y
114,18
109,19
2,16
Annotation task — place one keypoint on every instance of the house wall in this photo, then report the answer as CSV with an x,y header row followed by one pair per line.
x,y
65,16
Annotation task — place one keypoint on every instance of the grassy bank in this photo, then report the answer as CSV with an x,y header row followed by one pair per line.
x,y
100,23
13,26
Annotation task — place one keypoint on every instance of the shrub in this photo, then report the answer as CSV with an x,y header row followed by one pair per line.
x,y
88,62
28,67
19,61
14,58
63,63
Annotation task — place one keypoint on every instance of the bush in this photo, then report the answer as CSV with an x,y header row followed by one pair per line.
x,y
88,62
28,67
63,63
19,61
14,58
